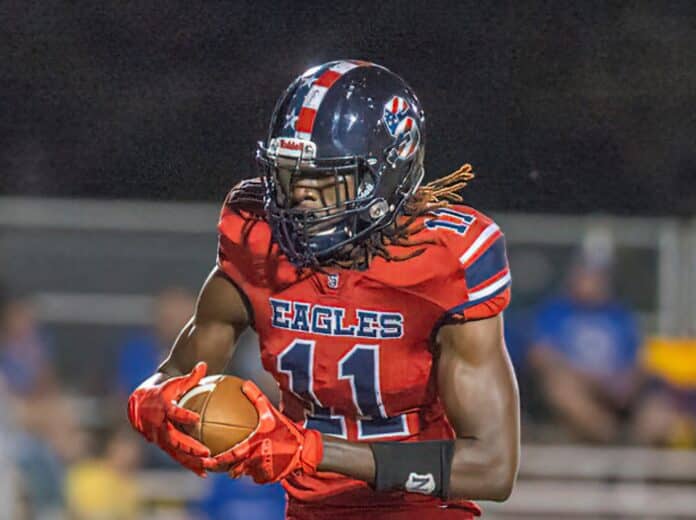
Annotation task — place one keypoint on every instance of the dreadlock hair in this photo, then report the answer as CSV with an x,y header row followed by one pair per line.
x,y
436,194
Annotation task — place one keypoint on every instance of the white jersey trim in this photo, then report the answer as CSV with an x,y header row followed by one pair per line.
x,y
482,238
487,291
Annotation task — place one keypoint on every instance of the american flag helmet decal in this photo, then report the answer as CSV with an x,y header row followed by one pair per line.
x,y
402,126
311,92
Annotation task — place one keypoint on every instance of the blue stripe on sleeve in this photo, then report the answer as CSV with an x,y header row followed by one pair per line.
x,y
487,265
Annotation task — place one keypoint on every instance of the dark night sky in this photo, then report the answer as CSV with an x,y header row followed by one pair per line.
x,y
558,106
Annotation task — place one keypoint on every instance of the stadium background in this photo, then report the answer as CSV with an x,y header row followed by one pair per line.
x,y
124,124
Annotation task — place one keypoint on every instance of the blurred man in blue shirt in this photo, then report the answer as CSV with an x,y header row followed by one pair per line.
x,y
584,348
142,352
25,351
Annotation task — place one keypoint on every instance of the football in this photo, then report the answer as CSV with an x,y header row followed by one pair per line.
x,y
227,417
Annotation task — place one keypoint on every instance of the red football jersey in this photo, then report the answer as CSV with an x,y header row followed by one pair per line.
x,y
352,350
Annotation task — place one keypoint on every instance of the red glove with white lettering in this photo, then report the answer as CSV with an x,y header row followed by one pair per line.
x,y
274,450
152,411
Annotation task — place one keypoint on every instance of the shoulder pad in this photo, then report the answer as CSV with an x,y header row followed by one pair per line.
x,y
455,223
243,236
478,245
246,253
247,196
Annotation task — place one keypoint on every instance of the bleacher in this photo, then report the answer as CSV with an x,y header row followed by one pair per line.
x,y
591,482
94,265
58,249
555,482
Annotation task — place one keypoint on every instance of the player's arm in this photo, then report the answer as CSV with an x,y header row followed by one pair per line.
x,y
205,343
219,319
477,385
479,391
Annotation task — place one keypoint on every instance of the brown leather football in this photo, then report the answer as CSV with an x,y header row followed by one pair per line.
x,y
227,416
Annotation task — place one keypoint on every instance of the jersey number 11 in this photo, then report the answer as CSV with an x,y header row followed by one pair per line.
x,y
360,366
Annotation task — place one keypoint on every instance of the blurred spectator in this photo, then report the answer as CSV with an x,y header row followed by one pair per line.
x,y
31,401
667,417
518,340
24,351
48,439
42,475
145,349
141,354
13,495
104,488
240,499
584,350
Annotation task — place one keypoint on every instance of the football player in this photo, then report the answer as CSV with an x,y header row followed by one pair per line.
x,y
378,304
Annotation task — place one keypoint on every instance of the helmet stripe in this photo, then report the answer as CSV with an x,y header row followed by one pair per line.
x,y
327,79
320,86
305,121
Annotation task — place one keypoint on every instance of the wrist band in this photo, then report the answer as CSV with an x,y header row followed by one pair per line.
x,y
416,467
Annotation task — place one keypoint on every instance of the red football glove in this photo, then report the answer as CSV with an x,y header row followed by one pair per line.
x,y
274,450
152,411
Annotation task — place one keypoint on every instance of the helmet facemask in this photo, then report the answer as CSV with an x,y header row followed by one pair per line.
x,y
310,235
341,210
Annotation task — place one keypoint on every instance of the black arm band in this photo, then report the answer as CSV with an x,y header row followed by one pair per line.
x,y
417,467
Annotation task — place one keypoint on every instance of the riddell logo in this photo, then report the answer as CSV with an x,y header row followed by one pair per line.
x,y
291,145
292,148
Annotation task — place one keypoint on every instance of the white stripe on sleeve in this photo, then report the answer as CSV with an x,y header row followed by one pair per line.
x,y
473,248
487,291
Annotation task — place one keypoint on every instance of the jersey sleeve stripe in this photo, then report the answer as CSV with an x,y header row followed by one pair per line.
x,y
490,263
479,242
487,291
489,281
484,294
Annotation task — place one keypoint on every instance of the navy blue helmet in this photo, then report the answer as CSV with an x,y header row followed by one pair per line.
x,y
352,120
